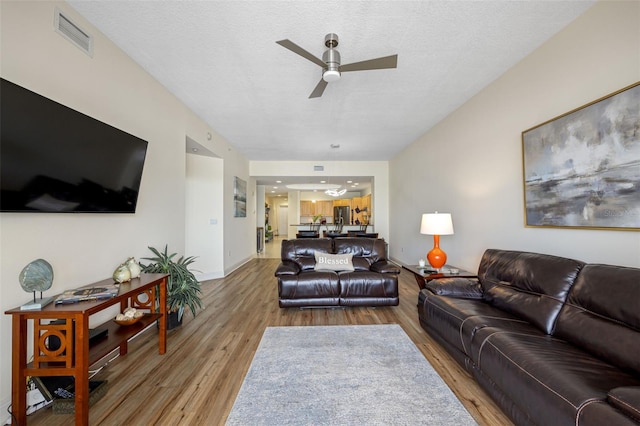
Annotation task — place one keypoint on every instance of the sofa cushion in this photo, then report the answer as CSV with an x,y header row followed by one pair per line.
x,y
599,413
627,400
370,250
602,314
333,262
302,251
466,323
360,287
543,371
312,288
529,285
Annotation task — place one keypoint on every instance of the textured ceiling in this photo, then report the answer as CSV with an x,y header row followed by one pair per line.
x,y
220,58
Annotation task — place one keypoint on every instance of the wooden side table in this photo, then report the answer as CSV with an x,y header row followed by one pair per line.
x,y
424,275
74,356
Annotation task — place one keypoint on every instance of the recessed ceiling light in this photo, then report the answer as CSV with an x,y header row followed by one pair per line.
x,y
349,181
323,181
278,181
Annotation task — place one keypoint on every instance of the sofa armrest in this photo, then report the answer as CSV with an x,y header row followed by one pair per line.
x,y
384,267
463,288
287,267
627,400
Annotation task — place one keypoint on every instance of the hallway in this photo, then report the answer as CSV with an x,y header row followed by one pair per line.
x,y
271,248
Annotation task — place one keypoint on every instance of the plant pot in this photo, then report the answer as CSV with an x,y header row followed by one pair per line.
x,y
172,321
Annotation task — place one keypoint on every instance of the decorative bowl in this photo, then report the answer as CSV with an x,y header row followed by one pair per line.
x,y
128,321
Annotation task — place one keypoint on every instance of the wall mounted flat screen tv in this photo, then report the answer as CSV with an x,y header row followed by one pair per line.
x,y
56,159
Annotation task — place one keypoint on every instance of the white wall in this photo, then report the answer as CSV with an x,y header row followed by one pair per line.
x,y
205,215
378,169
260,211
293,214
470,164
84,248
239,232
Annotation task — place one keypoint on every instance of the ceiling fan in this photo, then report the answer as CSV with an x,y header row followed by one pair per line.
x,y
330,62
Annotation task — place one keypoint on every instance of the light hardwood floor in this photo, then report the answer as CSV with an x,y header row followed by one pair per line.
x,y
197,380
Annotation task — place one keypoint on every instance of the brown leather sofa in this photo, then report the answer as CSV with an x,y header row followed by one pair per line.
x,y
554,341
374,281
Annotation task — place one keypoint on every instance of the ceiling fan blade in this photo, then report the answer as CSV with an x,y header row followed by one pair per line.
x,y
371,64
288,44
317,92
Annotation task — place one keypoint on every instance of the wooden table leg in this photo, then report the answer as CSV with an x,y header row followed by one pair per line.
x,y
162,331
420,280
81,347
19,365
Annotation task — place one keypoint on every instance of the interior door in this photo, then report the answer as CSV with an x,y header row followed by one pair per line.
x,y
283,220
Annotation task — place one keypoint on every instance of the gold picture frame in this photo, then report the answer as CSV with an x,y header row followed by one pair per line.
x,y
582,169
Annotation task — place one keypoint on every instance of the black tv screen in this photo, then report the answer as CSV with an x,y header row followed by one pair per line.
x,y
56,159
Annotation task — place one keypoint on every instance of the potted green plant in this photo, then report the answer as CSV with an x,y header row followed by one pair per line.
x,y
183,288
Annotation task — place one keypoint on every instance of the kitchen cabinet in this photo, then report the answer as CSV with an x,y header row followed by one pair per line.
x,y
320,207
366,200
324,208
306,208
361,207
356,208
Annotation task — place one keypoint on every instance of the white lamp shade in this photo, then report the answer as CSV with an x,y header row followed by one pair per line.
x,y
436,224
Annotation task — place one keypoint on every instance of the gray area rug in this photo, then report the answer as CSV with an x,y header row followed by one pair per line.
x,y
343,375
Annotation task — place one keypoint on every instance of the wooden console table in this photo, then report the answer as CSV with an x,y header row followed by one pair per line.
x,y
74,356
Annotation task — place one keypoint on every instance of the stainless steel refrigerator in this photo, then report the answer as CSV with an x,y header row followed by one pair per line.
x,y
341,215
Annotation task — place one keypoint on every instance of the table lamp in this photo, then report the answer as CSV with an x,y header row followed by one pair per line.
x,y
436,224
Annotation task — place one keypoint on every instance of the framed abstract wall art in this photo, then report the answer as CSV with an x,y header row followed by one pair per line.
x,y
582,169
239,197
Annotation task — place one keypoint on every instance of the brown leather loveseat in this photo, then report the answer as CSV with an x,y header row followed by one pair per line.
x,y
373,281
554,341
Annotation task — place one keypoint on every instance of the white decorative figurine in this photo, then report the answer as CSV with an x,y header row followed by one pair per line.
x,y
134,267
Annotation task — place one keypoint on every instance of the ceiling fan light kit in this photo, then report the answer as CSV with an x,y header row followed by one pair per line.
x,y
330,62
331,75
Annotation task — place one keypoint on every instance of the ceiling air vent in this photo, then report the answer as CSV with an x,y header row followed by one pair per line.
x,y
318,168
73,33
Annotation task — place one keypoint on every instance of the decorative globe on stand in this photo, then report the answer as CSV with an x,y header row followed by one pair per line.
x,y
36,276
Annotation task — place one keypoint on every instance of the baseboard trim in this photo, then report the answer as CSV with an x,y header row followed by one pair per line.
x,y
238,265
209,275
